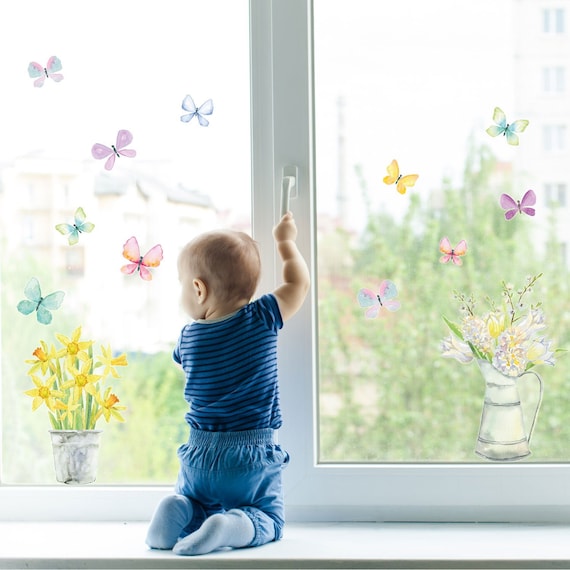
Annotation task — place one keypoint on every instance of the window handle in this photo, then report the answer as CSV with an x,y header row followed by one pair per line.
x,y
288,187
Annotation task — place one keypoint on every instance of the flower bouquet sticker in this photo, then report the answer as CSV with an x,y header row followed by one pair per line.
x,y
507,342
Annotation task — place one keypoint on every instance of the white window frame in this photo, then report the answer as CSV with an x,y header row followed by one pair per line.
x,y
282,134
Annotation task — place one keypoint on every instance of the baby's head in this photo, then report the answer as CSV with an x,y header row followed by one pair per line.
x,y
228,263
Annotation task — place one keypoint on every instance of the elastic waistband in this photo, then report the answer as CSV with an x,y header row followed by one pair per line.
x,y
230,438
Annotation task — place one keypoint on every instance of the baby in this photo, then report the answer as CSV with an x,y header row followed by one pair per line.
x,y
228,492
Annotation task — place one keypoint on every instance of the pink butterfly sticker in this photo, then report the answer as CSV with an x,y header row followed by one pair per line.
x,y
138,262
374,302
452,253
41,73
116,150
512,207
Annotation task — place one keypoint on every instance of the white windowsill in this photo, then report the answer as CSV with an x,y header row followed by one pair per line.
x,y
305,545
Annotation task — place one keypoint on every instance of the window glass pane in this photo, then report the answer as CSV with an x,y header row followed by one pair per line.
x,y
126,66
418,83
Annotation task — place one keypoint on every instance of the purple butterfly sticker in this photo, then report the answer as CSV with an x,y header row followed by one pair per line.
x,y
116,150
513,207
374,302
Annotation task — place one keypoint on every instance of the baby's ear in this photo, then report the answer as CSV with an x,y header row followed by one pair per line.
x,y
200,290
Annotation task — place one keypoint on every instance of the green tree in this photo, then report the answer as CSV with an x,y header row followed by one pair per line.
x,y
386,394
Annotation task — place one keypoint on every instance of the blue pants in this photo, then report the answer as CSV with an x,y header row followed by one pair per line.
x,y
220,471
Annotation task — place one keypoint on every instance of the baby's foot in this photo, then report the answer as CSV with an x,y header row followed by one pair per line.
x,y
233,529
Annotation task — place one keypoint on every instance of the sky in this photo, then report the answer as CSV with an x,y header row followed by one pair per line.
x,y
128,64
417,78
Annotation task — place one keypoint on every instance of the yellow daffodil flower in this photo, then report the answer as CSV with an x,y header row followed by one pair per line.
x,y
43,358
65,382
74,347
82,380
65,411
109,407
106,359
43,393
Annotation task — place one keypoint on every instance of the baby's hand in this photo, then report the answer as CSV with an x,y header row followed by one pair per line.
x,y
286,229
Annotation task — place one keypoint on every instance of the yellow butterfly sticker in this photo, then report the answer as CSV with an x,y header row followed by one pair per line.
x,y
394,177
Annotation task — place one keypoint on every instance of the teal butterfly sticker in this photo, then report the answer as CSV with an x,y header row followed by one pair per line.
x,y
73,230
509,130
41,305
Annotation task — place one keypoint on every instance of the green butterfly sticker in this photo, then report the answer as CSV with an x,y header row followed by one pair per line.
x,y
79,226
509,130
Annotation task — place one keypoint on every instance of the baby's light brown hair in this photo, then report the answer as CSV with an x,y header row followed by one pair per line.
x,y
227,261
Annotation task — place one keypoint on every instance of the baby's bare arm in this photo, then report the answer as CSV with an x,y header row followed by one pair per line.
x,y
291,294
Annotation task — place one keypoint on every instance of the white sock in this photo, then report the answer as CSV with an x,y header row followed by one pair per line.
x,y
170,517
232,529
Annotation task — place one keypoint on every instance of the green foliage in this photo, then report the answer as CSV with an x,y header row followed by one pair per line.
x,y
385,392
143,449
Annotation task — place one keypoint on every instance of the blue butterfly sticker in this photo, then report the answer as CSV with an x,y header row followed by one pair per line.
x,y
206,108
41,305
73,230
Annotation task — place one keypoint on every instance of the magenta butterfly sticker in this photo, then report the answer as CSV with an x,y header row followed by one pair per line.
x,y
41,73
453,254
513,207
206,108
116,150
375,302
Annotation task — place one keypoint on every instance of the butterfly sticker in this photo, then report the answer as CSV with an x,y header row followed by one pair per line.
x,y
116,150
139,262
374,302
394,177
41,73
503,128
512,207
73,230
453,254
41,305
206,108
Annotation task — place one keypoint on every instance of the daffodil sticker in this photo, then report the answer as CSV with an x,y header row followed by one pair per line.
x,y
71,381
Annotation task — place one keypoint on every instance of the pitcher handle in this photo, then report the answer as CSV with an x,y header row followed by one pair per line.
x,y
531,430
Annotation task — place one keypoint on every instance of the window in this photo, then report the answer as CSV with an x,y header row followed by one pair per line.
x,y
555,194
554,79
185,179
284,109
376,99
553,20
554,138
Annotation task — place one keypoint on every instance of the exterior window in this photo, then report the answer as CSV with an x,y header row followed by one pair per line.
x,y
554,79
554,138
553,21
555,194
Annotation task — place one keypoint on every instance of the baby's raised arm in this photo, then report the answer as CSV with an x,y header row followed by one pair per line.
x,y
291,294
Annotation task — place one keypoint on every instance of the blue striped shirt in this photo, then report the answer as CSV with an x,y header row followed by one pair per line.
x,y
231,369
